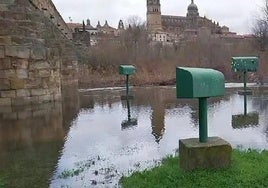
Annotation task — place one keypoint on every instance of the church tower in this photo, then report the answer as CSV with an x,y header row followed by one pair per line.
x,y
154,22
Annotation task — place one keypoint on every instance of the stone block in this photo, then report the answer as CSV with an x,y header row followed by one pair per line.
x,y
38,53
16,15
35,100
39,65
33,83
4,84
5,101
24,114
22,73
5,109
16,83
38,92
23,93
39,113
20,63
8,94
57,97
17,51
19,101
10,116
46,98
216,153
5,63
5,40
2,52
7,2
44,73
9,73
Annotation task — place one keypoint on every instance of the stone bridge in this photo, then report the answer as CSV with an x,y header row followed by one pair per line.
x,y
37,55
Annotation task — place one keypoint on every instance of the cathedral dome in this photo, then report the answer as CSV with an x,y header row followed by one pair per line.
x,y
192,6
192,9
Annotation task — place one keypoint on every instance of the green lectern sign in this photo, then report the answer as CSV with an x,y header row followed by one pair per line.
x,y
200,83
127,70
244,65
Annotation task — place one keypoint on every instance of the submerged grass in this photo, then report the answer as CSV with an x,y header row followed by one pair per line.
x,y
248,169
29,167
1,183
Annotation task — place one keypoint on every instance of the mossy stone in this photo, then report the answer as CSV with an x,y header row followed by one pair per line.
x,y
216,153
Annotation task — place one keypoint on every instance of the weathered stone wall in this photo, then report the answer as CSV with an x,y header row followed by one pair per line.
x,y
36,58
50,11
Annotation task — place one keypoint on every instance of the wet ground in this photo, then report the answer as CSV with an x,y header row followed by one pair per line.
x,y
97,137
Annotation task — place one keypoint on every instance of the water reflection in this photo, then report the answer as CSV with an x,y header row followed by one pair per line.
x,y
91,139
31,140
244,121
130,122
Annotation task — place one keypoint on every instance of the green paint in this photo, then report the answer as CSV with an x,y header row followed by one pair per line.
x,y
127,69
245,64
199,82
203,128
245,93
127,85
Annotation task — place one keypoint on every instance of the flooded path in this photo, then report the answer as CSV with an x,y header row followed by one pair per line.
x,y
100,138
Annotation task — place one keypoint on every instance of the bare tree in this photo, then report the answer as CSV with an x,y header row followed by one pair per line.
x,y
134,38
260,27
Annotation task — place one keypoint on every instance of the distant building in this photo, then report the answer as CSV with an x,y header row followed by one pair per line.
x,y
167,28
99,32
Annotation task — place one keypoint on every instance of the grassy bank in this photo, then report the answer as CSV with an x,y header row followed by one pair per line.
x,y
109,76
248,169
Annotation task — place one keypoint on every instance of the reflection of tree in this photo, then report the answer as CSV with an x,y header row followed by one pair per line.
x,y
158,122
260,103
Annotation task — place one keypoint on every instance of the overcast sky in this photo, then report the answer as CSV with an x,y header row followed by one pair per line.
x,y
236,14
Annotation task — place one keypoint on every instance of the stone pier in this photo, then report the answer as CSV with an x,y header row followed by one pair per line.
x,y
37,55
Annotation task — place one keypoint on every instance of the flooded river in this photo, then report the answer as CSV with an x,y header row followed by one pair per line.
x,y
94,138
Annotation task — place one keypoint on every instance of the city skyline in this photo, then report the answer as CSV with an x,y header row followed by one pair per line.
x,y
237,15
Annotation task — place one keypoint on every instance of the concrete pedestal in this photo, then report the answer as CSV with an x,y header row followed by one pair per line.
x,y
216,153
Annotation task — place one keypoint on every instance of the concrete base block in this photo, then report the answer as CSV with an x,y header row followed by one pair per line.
x,y
216,153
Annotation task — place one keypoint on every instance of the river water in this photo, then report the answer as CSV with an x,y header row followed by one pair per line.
x,y
94,138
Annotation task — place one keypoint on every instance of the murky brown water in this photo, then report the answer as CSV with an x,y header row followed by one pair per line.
x,y
97,138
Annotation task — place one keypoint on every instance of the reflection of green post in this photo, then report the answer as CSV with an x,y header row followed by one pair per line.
x,y
245,93
203,128
127,85
128,111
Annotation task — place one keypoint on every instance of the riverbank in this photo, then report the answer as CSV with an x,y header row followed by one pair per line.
x,y
111,78
248,168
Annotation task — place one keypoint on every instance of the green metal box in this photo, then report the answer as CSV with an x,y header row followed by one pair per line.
x,y
127,69
245,64
199,83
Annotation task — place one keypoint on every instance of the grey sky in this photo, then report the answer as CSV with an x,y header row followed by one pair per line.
x,y
236,14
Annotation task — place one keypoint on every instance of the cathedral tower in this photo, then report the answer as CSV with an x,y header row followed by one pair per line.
x,y
154,22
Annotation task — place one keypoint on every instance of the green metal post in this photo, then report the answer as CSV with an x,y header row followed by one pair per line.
x,y
203,129
127,86
245,93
